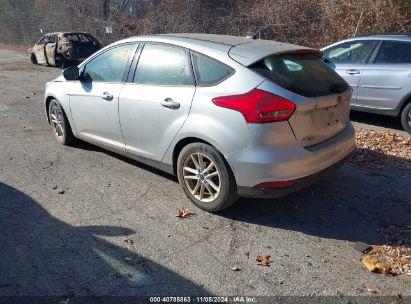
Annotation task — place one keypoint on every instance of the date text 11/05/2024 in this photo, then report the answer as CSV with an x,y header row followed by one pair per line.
x,y
237,299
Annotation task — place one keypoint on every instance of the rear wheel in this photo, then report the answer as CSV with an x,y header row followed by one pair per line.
x,y
206,177
406,118
59,123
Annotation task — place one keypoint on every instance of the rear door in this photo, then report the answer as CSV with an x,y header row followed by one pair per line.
x,y
156,102
387,80
349,59
94,98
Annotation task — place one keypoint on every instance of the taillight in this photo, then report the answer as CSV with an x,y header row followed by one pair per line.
x,y
258,106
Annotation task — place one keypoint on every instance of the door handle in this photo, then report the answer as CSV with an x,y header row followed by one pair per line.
x,y
353,71
107,96
170,103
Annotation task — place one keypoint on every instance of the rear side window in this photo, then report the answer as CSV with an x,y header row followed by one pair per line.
x,y
394,52
303,74
209,71
164,65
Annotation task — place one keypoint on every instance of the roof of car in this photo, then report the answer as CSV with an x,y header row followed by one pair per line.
x,y
389,34
243,50
64,33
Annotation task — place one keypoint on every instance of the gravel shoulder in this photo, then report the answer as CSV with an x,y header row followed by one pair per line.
x,y
82,221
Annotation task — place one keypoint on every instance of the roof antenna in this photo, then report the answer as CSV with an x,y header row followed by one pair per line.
x,y
364,4
258,32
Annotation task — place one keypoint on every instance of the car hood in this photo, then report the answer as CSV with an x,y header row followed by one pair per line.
x,y
59,79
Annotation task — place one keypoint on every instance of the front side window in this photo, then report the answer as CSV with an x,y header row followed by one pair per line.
x,y
41,41
351,52
394,52
52,39
209,71
108,66
163,65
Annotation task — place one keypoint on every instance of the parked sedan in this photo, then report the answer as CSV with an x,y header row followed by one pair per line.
x,y
229,116
63,49
378,68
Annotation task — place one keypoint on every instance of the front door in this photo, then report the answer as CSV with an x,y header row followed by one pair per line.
x,y
50,49
38,51
349,60
94,98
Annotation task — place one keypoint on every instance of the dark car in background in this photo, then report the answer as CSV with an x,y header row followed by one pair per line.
x,y
63,49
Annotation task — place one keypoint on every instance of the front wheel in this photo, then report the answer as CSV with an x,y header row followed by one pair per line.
x,y
59,123
406,118
33,58
206,177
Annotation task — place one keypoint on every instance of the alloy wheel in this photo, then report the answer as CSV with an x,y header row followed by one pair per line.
x,y
202,177
57,120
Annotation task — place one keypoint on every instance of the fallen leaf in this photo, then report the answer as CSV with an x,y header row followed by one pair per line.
x,y
370,290
398,258
263,260
376,148
183,212
374,265
128,241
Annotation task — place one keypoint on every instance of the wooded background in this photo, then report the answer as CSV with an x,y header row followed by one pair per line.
x,y
304,22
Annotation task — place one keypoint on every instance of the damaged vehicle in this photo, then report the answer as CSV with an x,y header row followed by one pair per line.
x,y
64,49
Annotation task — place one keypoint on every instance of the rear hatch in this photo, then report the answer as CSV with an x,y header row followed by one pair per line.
x,y
321,96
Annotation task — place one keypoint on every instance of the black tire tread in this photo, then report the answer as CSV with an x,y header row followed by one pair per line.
x,y
404,118
69,138
228,194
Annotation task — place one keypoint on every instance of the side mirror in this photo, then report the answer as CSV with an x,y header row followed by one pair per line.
x,y
71,73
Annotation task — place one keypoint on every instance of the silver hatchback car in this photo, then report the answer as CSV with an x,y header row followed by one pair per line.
x,y
378,68
230,116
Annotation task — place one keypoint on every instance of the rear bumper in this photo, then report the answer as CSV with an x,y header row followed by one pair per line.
x,y
253,192
283,159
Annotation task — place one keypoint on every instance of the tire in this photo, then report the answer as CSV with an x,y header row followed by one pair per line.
x,y
59,123
33,58
213,187
406,118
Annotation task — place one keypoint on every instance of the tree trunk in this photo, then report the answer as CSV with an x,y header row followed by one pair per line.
x,y
106,9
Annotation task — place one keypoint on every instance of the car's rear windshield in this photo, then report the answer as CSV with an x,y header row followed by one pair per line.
x,y
304,74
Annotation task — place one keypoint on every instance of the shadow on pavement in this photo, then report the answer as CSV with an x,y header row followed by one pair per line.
x,y
80,144
42,255
353,204
376,120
